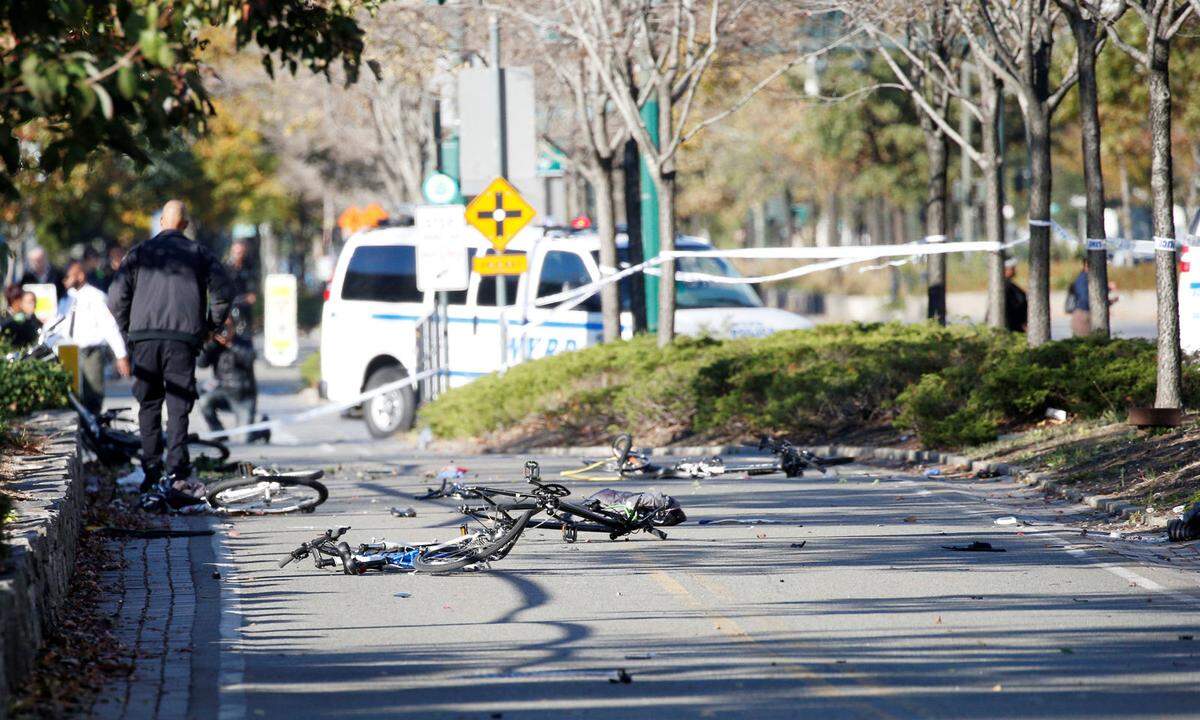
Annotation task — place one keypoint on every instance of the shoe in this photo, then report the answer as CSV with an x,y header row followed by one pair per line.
x,y
153,477
183,491
261,436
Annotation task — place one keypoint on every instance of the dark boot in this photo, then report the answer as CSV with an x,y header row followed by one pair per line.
x,y
1186,527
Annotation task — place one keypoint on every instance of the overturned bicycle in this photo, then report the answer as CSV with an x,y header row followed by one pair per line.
x,y
502,516
626,462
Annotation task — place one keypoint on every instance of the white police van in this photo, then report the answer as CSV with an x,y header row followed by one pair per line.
x,y
373,308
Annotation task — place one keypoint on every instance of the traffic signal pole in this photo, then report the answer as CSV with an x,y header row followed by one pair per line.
x,y
651,243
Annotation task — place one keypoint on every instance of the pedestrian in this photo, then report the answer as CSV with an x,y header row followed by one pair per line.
x,y
231,356
94,268
21,327
168,297
1079,306
1016,304
243,276
39,271
113,258
88,323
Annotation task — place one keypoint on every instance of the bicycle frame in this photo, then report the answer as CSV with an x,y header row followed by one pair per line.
x,y
563,515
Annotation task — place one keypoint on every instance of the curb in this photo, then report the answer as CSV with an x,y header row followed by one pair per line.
x,y
1041,480
41,546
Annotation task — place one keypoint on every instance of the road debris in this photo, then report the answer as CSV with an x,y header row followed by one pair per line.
x,y
620,676
977,546
403,595
640,656
799,545
406,512
910,519
933,472
1010,520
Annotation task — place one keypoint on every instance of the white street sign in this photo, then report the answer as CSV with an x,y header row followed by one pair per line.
x,y
442,263
281,343
46,307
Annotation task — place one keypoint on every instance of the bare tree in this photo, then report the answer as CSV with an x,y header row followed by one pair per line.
x,y
1086,23
927,31
1015,42
598,136
1162,20
670,47
905,37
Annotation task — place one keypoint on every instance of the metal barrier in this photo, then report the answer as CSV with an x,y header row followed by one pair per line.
x,y
433,354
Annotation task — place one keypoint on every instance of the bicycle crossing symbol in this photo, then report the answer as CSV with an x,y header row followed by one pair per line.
x,y
499,213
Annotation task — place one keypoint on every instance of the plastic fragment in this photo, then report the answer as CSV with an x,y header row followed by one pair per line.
x,y
406,512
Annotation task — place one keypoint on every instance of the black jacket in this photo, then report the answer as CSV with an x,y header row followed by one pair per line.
x,y
233,366
170,288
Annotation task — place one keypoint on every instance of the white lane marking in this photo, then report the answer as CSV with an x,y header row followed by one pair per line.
x,y
231,692
1123,573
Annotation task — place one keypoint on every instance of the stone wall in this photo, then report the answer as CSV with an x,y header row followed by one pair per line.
x,y
41,546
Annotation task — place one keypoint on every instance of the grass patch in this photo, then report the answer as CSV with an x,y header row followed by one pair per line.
x,y
310,370
952,386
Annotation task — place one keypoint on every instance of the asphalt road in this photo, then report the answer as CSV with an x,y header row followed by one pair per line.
x,y
870,618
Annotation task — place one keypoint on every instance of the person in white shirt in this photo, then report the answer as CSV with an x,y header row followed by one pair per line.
x,y
88,323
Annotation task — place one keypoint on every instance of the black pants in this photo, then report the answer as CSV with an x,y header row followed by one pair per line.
x,y
164,370
242,405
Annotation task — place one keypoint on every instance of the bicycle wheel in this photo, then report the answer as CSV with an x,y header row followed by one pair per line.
x,y
269,494
458,557
621,447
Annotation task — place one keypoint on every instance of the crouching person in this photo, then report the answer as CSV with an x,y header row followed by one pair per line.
x,y
231,356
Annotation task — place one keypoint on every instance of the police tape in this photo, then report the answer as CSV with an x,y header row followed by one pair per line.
x,y
409,381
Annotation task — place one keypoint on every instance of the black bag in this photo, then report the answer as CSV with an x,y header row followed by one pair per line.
x,y
665,509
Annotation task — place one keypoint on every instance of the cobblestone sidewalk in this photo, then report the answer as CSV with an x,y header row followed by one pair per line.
x,y
152,602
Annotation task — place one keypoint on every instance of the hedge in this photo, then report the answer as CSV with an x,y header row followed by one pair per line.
x,y
953,386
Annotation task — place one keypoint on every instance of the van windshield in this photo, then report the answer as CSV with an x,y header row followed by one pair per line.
x,y
382,273
695,294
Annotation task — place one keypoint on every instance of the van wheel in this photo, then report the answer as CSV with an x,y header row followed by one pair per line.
x,y
390,412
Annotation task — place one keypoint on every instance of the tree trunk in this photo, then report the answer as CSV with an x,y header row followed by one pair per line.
x,y
665,184
606,230
827,224
993,197
1169,394
664,181
630,176
1126,198
1038,128
1093,177
937,150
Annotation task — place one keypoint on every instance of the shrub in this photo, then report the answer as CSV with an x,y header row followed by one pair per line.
x,y
28,385
310,370
953,386
967,404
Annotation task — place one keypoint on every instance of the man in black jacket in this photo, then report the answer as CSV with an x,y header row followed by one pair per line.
x,y
168,297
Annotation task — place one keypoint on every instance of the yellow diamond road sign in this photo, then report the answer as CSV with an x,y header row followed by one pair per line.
x,y
499,213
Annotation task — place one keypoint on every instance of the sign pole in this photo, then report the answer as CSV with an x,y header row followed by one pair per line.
x,y
650,235
502,148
